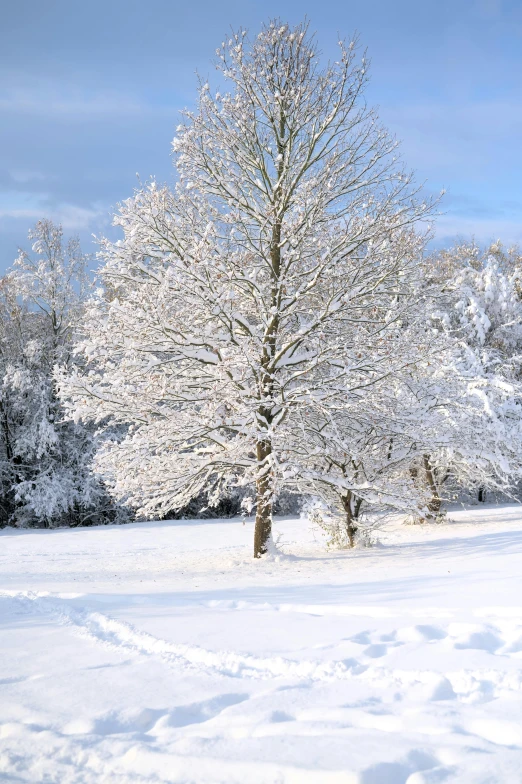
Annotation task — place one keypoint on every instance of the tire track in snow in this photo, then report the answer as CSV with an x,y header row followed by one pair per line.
x,y
122,636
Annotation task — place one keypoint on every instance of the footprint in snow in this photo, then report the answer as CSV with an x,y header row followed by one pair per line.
x,y
199,712
151,720
376,650
278,717
363,638
422,633
482,640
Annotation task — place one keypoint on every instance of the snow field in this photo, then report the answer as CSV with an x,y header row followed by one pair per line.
x,y
162,652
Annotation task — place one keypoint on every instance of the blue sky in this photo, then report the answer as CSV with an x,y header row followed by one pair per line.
x,y
90,94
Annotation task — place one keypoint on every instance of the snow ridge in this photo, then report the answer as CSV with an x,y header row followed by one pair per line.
x,y
121,635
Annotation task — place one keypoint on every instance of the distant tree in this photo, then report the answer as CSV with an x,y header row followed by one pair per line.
x,y
479,436
45,462
446,416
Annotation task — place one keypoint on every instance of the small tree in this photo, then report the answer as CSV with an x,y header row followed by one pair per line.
x,y
357,455
233,293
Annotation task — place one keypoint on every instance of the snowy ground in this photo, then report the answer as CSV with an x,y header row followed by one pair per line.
x,y
162,652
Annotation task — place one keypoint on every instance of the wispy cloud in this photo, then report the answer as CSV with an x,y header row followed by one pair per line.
x,y
33,206
50,100
23,176
484,230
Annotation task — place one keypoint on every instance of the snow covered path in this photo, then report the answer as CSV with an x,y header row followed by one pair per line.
x,y
161,652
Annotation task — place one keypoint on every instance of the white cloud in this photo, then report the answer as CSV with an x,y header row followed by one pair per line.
x,y
22,176
32,207
483,230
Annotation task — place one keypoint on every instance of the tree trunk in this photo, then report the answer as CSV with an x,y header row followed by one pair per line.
x,y
263,528
8,501
435,502
351,526
482,495
264,480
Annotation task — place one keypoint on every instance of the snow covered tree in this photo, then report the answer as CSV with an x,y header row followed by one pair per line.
x,y
54,281
356,455
232,296
45,461
13,317
477,440
448,416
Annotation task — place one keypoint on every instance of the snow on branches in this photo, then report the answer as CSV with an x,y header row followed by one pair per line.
x,y
273,322
45,461
480,434
254,292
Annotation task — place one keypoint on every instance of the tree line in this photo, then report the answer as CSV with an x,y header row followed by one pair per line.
x,y
273,322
